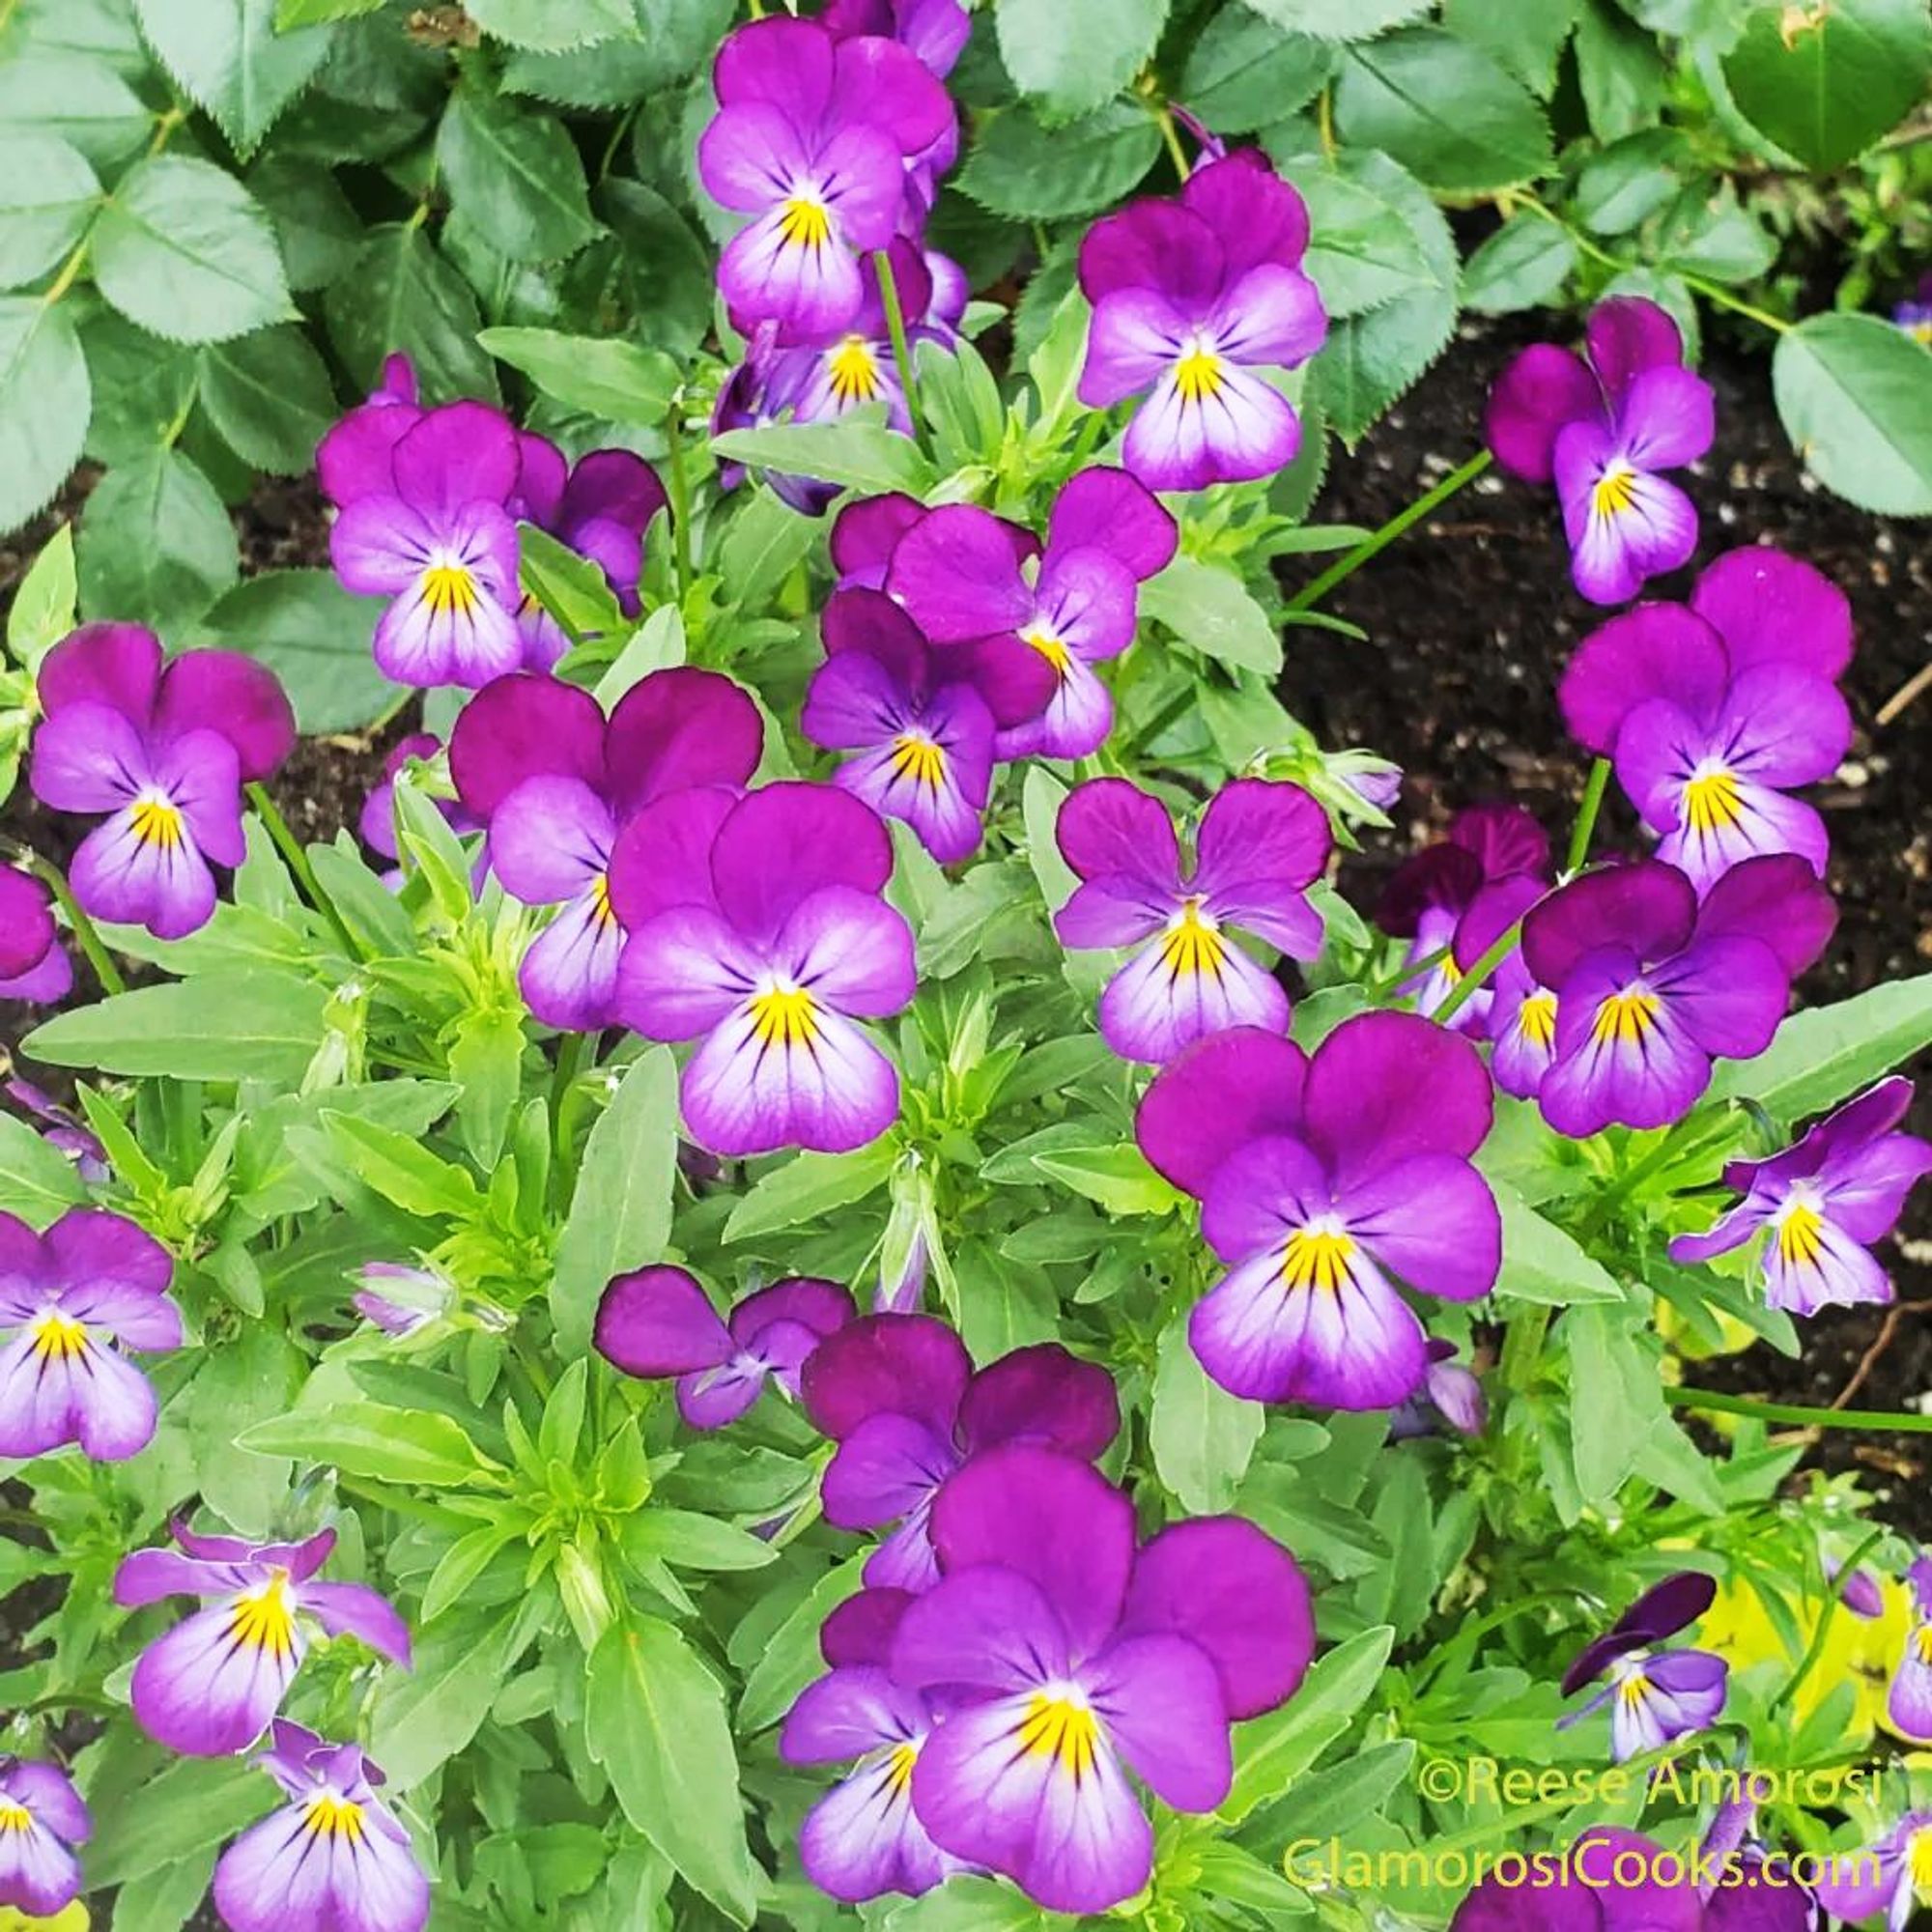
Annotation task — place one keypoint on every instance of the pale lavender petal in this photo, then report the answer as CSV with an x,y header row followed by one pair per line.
x,y
1242,430
56,1388
1182,986
210,1687
353,1609
749,1090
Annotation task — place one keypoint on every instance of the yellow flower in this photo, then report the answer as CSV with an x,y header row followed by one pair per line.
x,y
73,1919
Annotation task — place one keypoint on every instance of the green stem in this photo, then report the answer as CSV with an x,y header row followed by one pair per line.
x,y
1172,136
98,956
1840,1584
290,847
1798,1416
1377,541
1587,817
1466,988
680,496
1416,969
888,293
70,270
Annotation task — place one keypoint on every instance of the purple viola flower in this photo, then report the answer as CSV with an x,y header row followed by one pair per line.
x,y
42,1820
863,1839
211,1685
1915,317
1260,845
162,750
867,532
1602,429
34,965
1823,1203
1071,1662
916,716
960,574
1654,1695
333,1859
353,460
556,782
1192,300
1884,1877
1714,712
1907,1706
438,542
813,140
1651,987
762,390
1449,1392
756,928
76,1299
935,31
658,1322
1490,853
65,1131
900,1396
378,820
400,1299
1320,1176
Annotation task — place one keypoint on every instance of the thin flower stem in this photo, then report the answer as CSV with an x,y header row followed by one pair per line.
x,y
290,847
1472,982
1798,1416
895,328
1587,817
69,271
1839,1586
1172,136
1377,541
90,940
680,498
1410,968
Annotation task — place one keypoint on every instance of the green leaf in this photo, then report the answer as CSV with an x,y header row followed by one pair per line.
x,y
1201,1437
77,98
48,196
315,636
1856,398
603,377
271,396
183,250
620,1213
788,1658
400,1169
1616,1398
155,545
143,388
1544,1264
1211,609
422,1718
1362,252
1444,109
1526,36
364,1438
194,1803
766,541
1824,82
250,1378
400,293
44,610
655,1720
1714,235
223,1026
553,26
808,1186
1074,55
857,450
1339,19
1622,75
1630,181
516,175
1117,1178
1827,1054
1246,72
37,1182
319,231
1022,168
1273,1751
1523,265
292,14
679,37
44,402
688,1541
229,57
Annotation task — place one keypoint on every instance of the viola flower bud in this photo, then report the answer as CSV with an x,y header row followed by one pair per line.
x,y
399,1299
42,1820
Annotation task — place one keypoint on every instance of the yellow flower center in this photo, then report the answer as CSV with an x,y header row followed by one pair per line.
x,y
1316,1257
1921,1642
1192,943
14,1817
1624,1019
1921,331
1918,1861
1197,376
804,223
899,1767
57,1338
1048,644
1063,1729
1633,1689
449,589
329,1816
600,900
156,822
1536,1019
1615,491
1800,1229
784,1016
1711,800
920,760
854,370
265,1619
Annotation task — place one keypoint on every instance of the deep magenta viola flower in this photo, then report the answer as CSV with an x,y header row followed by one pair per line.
x,y
900,1396
1320,1178
556,782
1714,712
756,927
42,1820
936,31
960,575
1822,1206
1260,846
659,1323
863,1839
1493,855
1908,1704
211,1685
1651,987
1074,1660
76,1299
814,139
353,460
34,965
1655,1695
1603,429
1192,300
162,750
333,1859
441,544
867,532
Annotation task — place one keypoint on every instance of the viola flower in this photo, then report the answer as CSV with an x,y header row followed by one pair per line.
x,y
935,31
1714,712
900,1396
1888,1877
1320,1177
1260,845
1075,1661
399,1299
163,750
812,139
1915,317
962,579
1907,1706
867,532
658,1322
76,1299
762,390
42,1820
353,460
65,1131
556,781
1191,299
863,1839
1490,855
1651,987
1655,1695
1823,1203
1449,1392
211,1685
333,1859
378,820
441,544
756,928
1603,425
33,966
